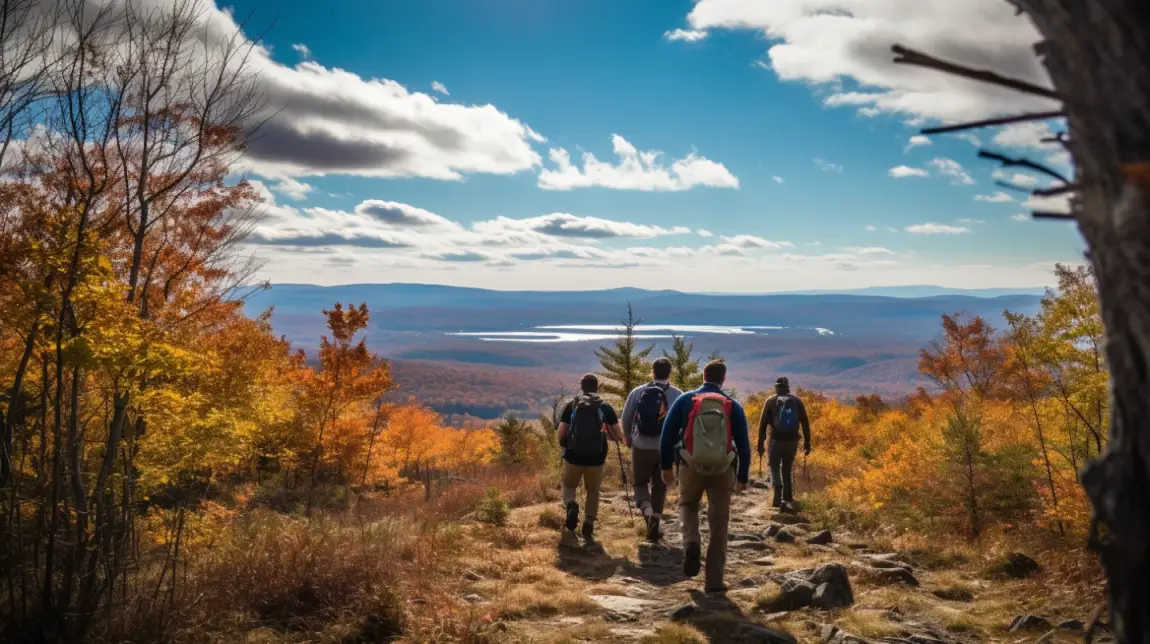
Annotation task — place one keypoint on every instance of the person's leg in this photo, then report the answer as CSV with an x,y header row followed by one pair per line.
x,y
774,461
641,474
719,490
571,476
690,494
658,487
787,456
593,480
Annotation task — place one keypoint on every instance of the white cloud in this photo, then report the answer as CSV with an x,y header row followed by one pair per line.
x,y
827,166
636,170
705,233
845,45
440,87
969,137
302,50
935,229
1020,217
293,189
904,171
997,197
968,220
952,169
870,228
916,141
778,179
401,215
1059,203
1017,178
1025,135
686,35
872,250
753,241
568,225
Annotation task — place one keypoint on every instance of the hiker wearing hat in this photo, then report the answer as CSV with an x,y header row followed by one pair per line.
x,y
785,413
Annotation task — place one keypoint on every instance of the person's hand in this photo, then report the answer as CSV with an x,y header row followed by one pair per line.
x,y
668,476
806,449
740,487
762,449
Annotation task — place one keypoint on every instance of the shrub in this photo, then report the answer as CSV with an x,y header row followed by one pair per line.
x,y
550,518
493,508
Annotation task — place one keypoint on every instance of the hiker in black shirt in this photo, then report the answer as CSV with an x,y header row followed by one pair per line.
x,y
786,414
583,432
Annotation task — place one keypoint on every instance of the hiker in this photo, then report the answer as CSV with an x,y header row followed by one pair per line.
x,y
707,429
583,429
643,417
785,413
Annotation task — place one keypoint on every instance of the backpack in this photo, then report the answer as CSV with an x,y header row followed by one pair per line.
x,y
786,416
708,447
585,437
651,410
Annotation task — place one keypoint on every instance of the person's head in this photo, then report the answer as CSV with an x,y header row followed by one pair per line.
x,y
782,385
661,369
589,384
715,372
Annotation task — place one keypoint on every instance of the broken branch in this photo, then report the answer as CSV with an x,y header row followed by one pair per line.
x,y
1002,120
906,56
1023,163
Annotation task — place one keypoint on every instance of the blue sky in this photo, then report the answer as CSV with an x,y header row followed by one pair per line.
x,y
444,141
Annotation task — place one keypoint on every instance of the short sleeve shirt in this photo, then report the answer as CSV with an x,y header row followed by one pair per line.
x,y
610,417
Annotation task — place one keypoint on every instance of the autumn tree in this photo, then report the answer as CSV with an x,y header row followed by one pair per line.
x,y
625,365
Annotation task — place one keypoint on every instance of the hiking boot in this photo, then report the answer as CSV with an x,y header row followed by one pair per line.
x,y
653,532
717,590
572,516
589,529
692,559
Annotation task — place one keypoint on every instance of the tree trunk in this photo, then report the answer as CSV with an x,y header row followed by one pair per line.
x,y
1098,56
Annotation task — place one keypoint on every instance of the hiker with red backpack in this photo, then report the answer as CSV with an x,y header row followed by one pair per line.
x,y
786,414
643,417
706,431
584,427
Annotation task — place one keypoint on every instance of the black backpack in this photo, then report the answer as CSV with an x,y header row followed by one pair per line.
x,y
585,437
786,416
651,410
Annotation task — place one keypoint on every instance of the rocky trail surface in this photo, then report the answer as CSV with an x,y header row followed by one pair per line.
x,y
790,581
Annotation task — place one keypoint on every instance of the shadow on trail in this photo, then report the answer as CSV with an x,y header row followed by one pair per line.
x,y
587,560
659,565
723,622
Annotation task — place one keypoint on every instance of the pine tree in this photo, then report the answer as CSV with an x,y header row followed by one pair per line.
x,y
685,371
624,366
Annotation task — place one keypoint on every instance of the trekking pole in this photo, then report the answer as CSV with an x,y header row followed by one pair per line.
x,y
628,495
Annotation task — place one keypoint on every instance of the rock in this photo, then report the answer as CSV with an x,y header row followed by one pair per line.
x,y
805,527
474,599
622,609
755,634
832,634
858,546
895,576
759,484
821,538
750,545
924,639
833,587
772,530
1046,639
785,536
684,612
764,561
745,537
1016,566
796,593
1072,625
953,594
748,582
790,519
829,632
471,575
1029,623
887,560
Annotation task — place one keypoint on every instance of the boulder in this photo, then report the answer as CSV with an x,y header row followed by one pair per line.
x,y
895,576
785,536
757,546
772,530
953,594
795,593
760,485
1016,566
745,537
832,596
755,634
837,591
764,561
1029,623
790,519
618,608
821,538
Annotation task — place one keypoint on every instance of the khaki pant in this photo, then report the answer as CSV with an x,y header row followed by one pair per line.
x,y
592,478
650,490
718,489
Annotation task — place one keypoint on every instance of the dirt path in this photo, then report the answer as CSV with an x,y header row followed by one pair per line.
x,y
541,583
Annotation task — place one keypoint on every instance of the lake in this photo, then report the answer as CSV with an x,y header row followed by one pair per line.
x,y
601,332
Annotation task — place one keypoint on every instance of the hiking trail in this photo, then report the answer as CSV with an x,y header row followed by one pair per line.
x,y
541,583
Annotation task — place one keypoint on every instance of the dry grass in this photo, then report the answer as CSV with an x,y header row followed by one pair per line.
x,y
675,634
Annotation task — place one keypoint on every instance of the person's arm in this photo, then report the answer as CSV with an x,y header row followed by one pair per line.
x,y
764,420
806,424
628,419
616,432
739,431
672,429
564,425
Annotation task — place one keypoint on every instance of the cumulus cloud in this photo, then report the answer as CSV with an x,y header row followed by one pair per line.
x,y
458,256
1058,203
1025,135
916,141
293,189
870,228
685,35
401,215
903,171
935,229
872,250
705,233
953,169
302,50
845,46
561,224
440,87
997,197
1017,178
635,170
753,241
1020,217
968,220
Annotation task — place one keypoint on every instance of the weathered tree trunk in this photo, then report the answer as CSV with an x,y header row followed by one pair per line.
x,y
1098,56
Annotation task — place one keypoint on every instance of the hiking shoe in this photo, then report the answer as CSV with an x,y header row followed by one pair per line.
x,y
692,559
717,590
572,516
653,532
589,529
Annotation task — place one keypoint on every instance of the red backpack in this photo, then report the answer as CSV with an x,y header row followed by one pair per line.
x,y
708,446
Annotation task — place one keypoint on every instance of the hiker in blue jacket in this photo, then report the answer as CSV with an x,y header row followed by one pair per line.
x,y
690,415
